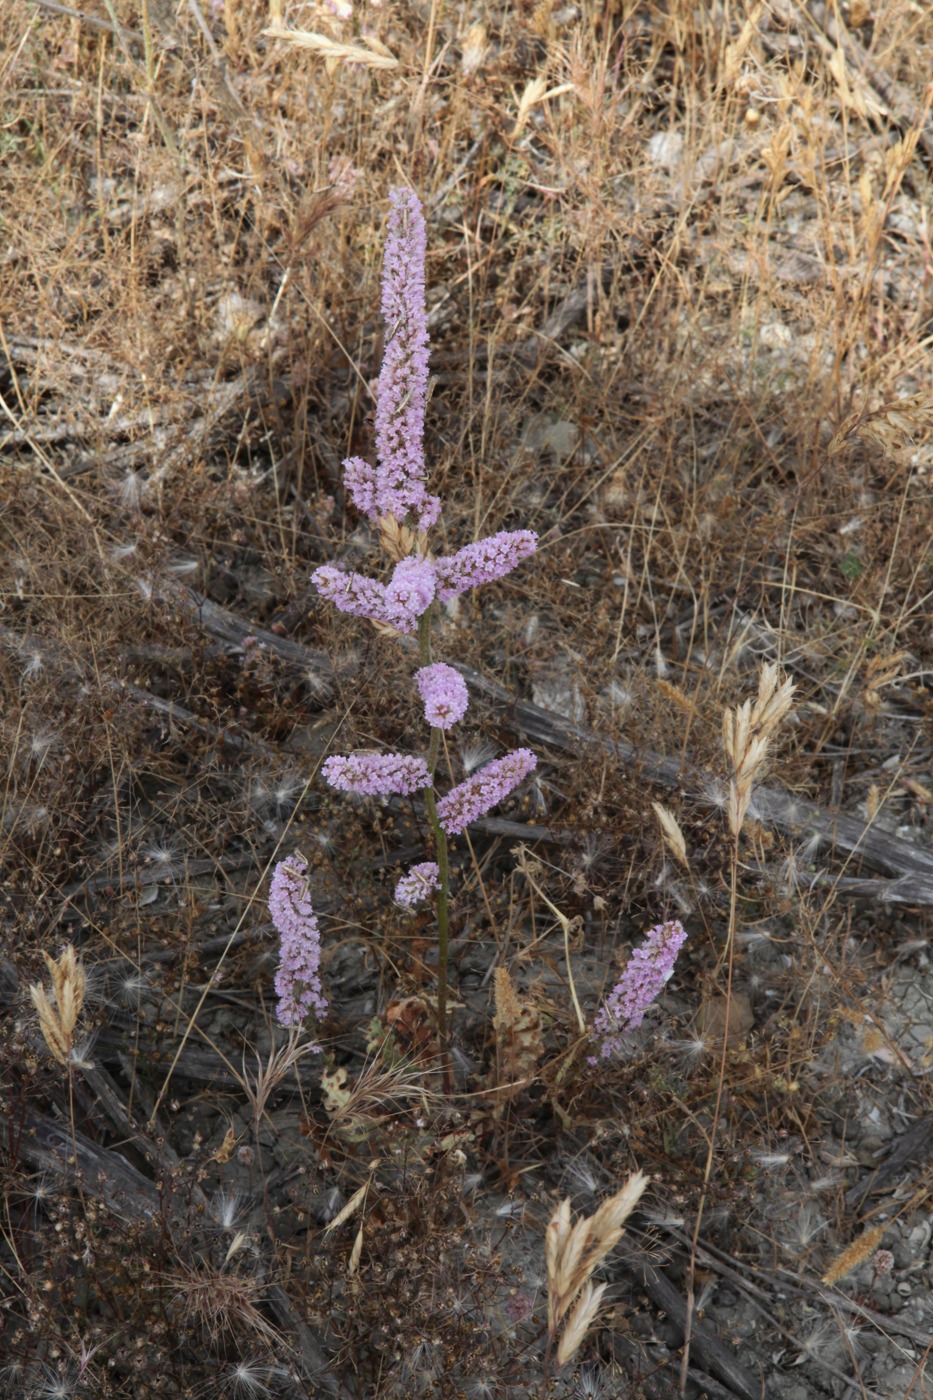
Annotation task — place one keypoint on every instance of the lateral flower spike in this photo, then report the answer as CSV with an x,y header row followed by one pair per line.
x,y
298,978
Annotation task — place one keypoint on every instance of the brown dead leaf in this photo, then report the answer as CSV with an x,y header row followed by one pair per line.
x,y
731,1017
519,1040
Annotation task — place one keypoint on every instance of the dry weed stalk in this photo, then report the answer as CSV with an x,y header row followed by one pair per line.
x,y
223,1304
59,1017
858,1251
519,1040
895,427
381,1091
281,1061
573,1252
746,736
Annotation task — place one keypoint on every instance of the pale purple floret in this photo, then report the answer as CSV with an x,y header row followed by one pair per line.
x,y
482,562
409,592
377,774
478,794
415,887
360,480
297,981
646,972
398,603
444,693
350,592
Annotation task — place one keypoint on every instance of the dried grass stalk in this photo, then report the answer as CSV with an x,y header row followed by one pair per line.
x,y
573,1252
399,541
579,1321
58,1017
536,90
747,732
670,830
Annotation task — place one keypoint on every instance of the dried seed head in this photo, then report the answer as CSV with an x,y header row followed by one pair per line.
x,y
673,836
858,1251
573,1252
58,1017
746,735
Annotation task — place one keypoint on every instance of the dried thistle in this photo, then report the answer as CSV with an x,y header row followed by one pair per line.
x,y
573,1252
59,1017
746,736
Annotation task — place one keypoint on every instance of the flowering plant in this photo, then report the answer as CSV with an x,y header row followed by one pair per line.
x,y
647,970
394,495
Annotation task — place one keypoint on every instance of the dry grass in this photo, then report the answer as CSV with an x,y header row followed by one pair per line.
x,y
681,308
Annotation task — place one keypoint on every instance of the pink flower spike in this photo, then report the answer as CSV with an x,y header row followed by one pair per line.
x,y
417,885
409,593
401,395
350,592
647,970
483,562
297,981
360,480
377,774
398,604
478,794
444,693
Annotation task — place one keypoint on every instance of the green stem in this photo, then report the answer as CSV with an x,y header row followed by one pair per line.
x,y
443,860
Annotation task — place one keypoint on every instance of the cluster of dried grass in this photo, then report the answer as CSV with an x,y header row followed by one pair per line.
x,y
573,1253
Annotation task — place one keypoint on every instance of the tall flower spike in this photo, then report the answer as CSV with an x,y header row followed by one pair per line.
x,y
484,790
396,486
297,981
482,562
402,392
646,972
377,774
